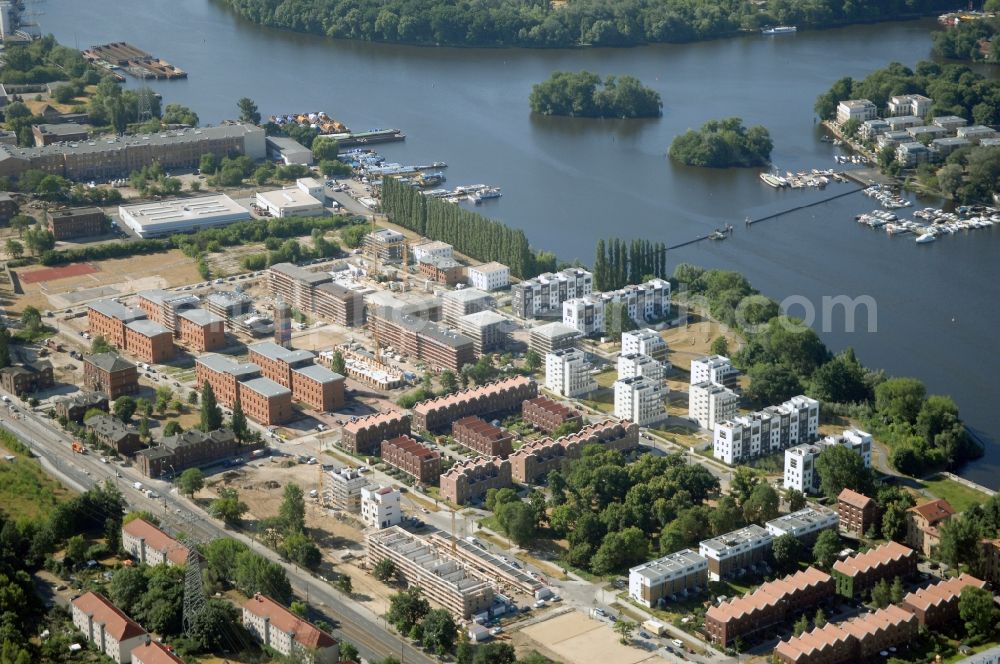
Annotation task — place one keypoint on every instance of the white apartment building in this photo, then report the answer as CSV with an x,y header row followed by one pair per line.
x,y
434,249
767,431
489,276
342,489
640,400
675,574
637,364
646,341
645,302
545,294
918,105
804,524
380,507
710,403
567,373
800,460
274,626
714,369
736,551
856,109
107,627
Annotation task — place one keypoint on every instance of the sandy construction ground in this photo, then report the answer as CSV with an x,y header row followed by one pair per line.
x,y
688,342
114,277
576,639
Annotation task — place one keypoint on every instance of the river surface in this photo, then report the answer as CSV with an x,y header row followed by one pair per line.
x,y
568,182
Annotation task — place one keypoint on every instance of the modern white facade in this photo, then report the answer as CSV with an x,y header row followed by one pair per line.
x,y
710,403
803,524
545,294
918,105
645,341
856,109
800,460
637,364
714,369
674,574
567,373
433,249
489,276
767,431
640,400
645,302
736,551
380,507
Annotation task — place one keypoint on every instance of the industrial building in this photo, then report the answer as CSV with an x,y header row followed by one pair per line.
x,y
182,215
117,156
289,202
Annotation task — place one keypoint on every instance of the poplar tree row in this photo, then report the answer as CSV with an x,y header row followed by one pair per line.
x,y
618,263
468,232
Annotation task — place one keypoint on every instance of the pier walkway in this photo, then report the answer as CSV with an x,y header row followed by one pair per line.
x,y
773,215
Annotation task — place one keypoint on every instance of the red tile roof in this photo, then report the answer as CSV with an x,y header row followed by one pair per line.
x,y
411,446
472,393
768,594
303,632
854,499
810,644
155,653
158,540
942,592
552,406
935,511
115,622
872,558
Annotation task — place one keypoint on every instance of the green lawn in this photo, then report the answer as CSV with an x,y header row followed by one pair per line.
x,y
25,489
606,378
958,495
602,400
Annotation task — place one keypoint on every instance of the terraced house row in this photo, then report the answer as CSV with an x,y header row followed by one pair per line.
x,y
537,458
501,396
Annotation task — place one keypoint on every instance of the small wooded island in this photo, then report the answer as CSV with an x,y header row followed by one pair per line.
x,y
583,95
722,144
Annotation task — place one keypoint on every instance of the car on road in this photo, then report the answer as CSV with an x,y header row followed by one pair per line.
x,y
677,642
644,634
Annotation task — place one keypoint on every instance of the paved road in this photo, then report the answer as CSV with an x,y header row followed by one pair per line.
x,y
356,624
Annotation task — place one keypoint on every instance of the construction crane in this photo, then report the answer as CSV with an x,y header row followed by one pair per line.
x,y
374,328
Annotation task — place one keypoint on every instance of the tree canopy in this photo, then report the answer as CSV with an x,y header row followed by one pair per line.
x,y
583,94
722,144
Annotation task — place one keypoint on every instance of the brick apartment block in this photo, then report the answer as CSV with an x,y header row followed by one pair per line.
x,y
861,572
413,458
767,606
310,383
481,436
500,396
110,374
364,435
547,414
537,458
857,512
856,640
201,330
936,606
472,478
77,222
262,399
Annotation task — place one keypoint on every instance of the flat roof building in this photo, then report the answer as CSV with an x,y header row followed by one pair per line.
x,y
288,151
456,304
70,223
444,580
737,551
380,507
710,403
487,329
551,337
567,373
767,431
488,276
424,340
655,582
289,202
804,525
183,215
342,489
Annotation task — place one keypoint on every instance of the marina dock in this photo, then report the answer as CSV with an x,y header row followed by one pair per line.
x,y
133,61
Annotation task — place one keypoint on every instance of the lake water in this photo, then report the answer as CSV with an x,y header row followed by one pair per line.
x,y
569,182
